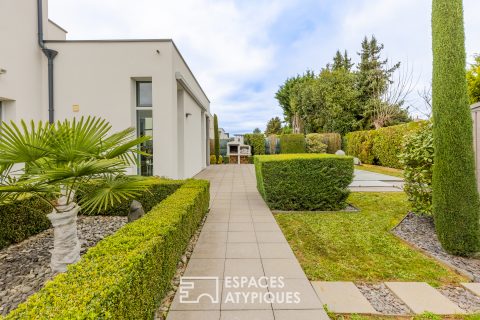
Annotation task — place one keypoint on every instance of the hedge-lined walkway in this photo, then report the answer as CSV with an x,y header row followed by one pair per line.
x,y
241,238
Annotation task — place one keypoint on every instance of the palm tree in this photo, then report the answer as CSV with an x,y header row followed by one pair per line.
x,y
54,161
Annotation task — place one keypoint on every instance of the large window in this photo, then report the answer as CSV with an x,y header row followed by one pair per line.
x,y
145,126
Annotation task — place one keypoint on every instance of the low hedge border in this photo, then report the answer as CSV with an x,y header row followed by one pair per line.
x,y
304,182
148,199
125,275
19,221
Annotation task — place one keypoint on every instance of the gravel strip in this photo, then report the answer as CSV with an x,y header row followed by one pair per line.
x,y
25,267
462,297
420,231
382,299
162,311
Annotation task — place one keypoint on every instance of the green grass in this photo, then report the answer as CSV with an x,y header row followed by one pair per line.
x,y
379,169
346,246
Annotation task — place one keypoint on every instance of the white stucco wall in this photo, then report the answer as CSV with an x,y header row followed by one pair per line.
x,y
98,78
193,140
24,83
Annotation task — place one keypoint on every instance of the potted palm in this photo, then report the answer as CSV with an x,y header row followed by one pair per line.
x,y
55,161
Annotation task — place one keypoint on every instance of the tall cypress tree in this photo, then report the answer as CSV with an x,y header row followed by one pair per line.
x,y
217,138
456,204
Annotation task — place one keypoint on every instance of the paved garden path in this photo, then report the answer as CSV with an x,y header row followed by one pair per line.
x,y
366,181
242,239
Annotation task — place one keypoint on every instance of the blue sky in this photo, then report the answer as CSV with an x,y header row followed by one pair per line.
x,y
241,51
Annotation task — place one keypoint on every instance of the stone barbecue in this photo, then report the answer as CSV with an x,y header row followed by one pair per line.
x,y
237,151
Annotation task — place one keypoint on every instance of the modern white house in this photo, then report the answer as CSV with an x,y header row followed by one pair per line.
x,y
141,83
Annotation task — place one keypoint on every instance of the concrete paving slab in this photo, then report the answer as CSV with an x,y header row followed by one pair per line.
x,y
343,297
194,315
368,175
420,298
472,287
370,183
247,315
375,189
300,315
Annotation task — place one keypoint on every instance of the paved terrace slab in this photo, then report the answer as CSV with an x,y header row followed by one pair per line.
x,y
366,181
242,239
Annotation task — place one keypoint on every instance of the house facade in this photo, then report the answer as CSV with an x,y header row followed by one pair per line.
x,y
144,84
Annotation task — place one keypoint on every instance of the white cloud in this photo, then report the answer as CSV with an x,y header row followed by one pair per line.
x,y
230,47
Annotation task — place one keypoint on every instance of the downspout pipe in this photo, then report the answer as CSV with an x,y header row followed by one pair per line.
x,y
50,54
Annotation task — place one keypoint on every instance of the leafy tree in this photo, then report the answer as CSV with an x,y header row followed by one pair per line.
x,y
336,108
473,80
54,161
456,204
274,126
257,131
291,99
217,138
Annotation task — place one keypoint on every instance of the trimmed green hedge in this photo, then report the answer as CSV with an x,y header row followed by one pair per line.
x,y
360,144
148,199
257,142
304,181
19,220
388,143
333,141
382,146
126,275
292,143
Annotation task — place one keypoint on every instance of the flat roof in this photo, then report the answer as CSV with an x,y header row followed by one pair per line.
x,y
136,40
56,25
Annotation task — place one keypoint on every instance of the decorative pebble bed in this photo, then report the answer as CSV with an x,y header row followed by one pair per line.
x,y
24,267
420,231
462,297
382,299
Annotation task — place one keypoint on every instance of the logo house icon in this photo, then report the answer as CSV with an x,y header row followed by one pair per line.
x,y
194,289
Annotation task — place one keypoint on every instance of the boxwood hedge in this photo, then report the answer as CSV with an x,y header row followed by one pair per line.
x,y
22,219
292,143
304,181
148,199
125,275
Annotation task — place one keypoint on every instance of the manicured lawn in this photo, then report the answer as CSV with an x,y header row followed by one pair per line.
x,y
358,246
379,169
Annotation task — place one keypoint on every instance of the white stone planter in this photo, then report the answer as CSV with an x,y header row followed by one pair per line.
x,y
66,247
